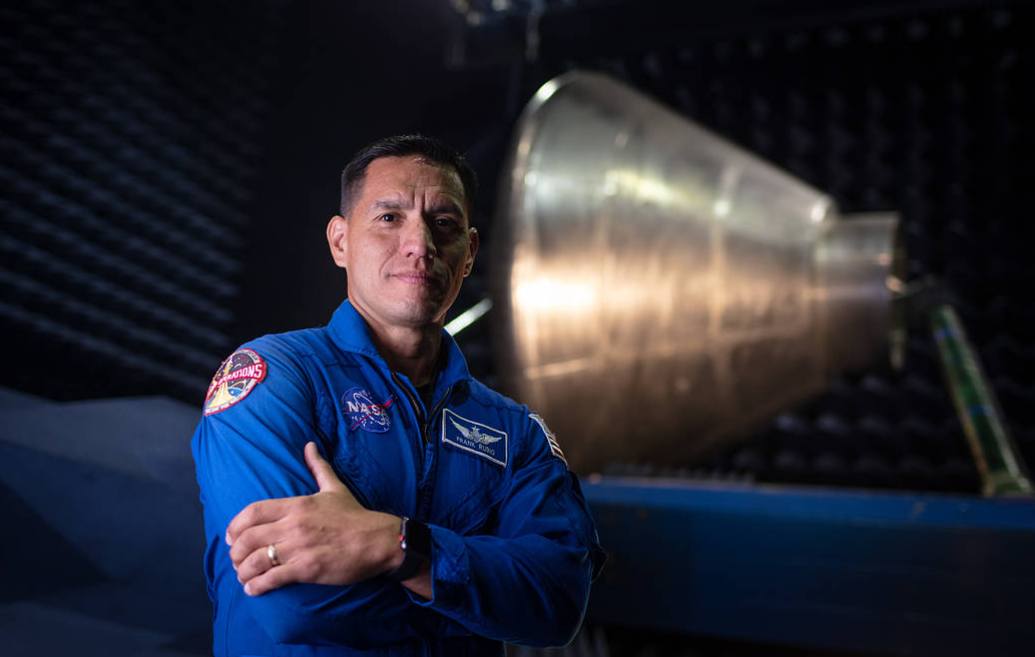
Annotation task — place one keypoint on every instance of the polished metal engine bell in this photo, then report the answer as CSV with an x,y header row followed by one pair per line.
x,y
659,291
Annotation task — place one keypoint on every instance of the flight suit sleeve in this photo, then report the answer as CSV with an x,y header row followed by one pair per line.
x,y
528,582
252,449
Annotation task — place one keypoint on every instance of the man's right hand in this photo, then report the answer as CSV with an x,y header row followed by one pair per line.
x,y
324,538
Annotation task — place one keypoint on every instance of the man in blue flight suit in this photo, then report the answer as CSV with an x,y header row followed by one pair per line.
x,y
444,520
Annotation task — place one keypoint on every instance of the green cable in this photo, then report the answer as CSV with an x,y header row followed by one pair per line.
x,y
1001,468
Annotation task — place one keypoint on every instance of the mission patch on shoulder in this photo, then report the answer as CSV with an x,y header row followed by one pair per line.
x,y
234,379
555,447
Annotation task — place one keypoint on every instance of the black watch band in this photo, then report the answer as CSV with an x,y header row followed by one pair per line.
x,y
415,541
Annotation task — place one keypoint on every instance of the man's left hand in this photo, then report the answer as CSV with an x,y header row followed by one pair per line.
x,y
324,538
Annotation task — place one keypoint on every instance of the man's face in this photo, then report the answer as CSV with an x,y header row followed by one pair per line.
x,y
407,244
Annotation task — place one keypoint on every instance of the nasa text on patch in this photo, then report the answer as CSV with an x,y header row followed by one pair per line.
x,y
235,378
474,437
362,411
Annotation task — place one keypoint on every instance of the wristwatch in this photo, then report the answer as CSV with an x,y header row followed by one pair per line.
x,y
415,541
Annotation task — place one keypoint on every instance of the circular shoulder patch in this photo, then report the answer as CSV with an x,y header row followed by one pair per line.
x,y
236,377
361,411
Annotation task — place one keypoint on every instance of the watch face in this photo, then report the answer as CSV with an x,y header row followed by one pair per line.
x,y
416,538
415,542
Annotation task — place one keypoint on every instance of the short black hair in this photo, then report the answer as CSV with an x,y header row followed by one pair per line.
x,y
432,148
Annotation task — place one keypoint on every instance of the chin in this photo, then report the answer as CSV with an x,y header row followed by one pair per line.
x,y
420,314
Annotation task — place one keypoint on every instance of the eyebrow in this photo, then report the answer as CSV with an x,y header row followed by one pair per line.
x,y
391,204
399,204
445,208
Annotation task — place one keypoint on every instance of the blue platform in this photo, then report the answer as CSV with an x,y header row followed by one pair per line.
x,y
897,574
105,554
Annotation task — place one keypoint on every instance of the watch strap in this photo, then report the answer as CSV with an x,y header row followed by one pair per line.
x,y
415,542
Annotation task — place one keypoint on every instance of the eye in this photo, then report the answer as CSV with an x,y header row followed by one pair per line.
x,y
387,217
446,222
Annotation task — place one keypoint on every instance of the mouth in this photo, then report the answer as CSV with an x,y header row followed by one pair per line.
x,y
418,278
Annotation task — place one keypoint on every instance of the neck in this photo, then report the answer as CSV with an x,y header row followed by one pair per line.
x,y
410,351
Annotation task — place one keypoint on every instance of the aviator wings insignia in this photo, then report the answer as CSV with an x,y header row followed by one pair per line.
x,y
475,434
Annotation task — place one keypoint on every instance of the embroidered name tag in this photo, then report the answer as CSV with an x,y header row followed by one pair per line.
x,y
474,437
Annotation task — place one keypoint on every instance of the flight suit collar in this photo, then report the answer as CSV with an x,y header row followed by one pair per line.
x,y
350,332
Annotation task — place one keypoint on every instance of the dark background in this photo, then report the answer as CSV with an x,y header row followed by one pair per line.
x,y
166,173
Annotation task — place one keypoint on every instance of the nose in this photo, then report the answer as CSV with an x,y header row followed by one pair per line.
x,y
418,240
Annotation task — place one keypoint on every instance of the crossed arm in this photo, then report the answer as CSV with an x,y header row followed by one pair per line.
x,y
472,587
323,538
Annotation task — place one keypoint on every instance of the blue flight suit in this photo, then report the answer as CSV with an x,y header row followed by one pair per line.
x,y
513,544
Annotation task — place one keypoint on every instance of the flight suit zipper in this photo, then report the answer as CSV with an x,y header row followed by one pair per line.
x,y
424,422
426,485
434,412
417,412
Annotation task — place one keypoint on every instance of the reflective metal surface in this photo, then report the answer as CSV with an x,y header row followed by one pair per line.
x,y
659,290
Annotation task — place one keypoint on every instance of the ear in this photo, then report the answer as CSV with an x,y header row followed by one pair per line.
x,y
472,249
337,239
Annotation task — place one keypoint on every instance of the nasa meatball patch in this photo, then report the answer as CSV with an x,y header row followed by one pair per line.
x,y
474,437
361,411
236,377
